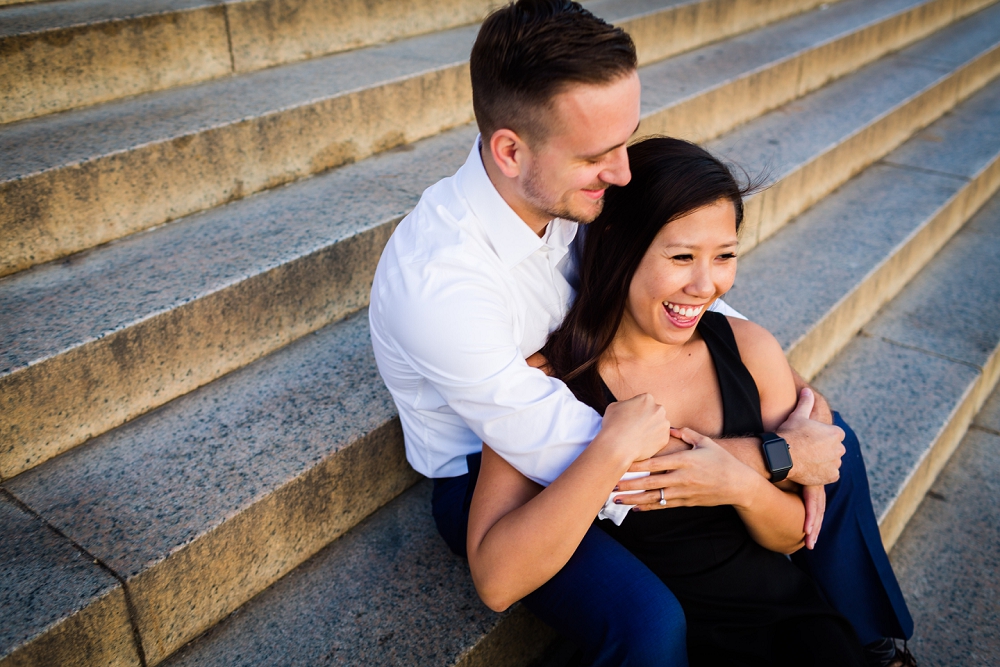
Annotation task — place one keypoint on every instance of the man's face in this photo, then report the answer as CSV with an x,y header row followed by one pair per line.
x,y
583,153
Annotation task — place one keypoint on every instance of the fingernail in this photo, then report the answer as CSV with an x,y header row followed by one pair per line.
x,y
618,501
636,509
616,488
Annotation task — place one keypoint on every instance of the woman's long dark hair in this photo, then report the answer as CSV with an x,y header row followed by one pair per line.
x,y
670,178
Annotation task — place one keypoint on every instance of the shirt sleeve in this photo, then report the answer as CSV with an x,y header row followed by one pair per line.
x,y
456,330
723,308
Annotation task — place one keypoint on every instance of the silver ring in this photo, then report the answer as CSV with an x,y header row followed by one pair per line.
x,y
663,501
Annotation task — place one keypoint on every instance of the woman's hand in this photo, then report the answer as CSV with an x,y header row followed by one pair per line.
x,y
704,476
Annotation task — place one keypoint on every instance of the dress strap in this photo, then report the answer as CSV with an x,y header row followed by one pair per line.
x,y
740,397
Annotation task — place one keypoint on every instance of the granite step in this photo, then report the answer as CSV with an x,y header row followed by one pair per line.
x,y
277,459
813,145
265,466
72,53
73,181
818,280
912,381
167,311
268,629
54,597
946,558
387,593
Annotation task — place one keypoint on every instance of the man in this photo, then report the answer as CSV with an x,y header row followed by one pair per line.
x,y
474,279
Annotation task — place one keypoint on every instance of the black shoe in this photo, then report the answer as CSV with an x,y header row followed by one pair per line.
x,y
885,653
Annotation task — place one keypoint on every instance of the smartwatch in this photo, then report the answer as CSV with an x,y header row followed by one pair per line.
x,y
777,458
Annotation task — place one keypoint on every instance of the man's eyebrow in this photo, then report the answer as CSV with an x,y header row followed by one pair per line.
x,y
608,150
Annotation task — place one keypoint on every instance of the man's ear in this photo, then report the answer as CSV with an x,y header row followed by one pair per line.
x,y
508,151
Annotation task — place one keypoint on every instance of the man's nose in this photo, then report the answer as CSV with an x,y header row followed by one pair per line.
x,y
617,171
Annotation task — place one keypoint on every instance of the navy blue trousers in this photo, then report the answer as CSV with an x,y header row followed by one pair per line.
x,y
619,613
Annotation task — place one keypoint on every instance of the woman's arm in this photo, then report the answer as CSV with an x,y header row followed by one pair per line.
x,y
520,535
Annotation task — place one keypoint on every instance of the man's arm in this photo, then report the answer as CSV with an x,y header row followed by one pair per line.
x,y
455,329
816,451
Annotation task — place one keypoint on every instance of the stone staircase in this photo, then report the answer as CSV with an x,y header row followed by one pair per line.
x,y
193,198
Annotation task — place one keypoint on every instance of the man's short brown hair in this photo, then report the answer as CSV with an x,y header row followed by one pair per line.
x,y
530,51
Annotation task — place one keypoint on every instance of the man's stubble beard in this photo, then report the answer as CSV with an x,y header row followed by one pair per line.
x,y
535,195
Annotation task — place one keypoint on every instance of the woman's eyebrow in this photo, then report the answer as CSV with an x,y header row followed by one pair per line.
x,y
731,244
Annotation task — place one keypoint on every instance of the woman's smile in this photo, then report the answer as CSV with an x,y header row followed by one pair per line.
x,y
683,315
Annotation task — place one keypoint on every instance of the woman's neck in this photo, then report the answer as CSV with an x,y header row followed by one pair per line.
x,y
632,346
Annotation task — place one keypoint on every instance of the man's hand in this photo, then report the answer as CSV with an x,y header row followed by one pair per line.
x,y
814,498
816,448
821,409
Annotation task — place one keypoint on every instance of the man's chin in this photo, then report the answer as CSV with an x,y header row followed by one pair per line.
x,y
582,214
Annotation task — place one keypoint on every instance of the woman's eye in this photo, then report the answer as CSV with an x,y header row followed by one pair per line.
x,y
728,255
683,258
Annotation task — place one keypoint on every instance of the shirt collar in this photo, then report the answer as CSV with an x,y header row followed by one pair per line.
x,y
510,236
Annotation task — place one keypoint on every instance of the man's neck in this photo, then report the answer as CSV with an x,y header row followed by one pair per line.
x,y
536,220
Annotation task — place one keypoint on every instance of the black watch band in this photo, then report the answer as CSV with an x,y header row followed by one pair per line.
x,y
777,458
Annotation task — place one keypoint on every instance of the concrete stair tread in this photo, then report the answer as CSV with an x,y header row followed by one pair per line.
x,y
388,592
64,55
667,82
988,417
218,254
946,559
130,280
788,141
45,582
62,140
854,250
51,142
909,402
40,17
83,178
266,465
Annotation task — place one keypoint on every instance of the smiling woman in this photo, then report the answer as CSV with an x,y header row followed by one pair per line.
x,y
641,330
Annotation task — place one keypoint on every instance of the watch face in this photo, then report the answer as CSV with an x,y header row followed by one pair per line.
x,y
777,454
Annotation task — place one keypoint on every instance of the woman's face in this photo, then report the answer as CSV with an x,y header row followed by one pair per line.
x,y
691,263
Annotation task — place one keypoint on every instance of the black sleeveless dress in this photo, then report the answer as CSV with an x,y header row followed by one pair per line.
x,y
744,605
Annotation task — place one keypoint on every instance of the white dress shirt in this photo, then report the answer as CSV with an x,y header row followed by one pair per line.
x,y
463,293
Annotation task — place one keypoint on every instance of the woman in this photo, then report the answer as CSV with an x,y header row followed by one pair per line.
x,y
640,343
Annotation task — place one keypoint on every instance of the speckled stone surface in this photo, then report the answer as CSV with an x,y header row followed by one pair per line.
x,y
184,262
898,401
73,181
387,593
61,55
989,416
930,148
947,560
58,606
111,333
911,384
818,142
964,282
820,278
208,500
692,95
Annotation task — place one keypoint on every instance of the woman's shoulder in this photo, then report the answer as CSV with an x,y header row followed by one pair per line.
x,y
763,357
757,345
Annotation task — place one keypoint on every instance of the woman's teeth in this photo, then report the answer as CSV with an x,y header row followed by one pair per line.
x,y
684,311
